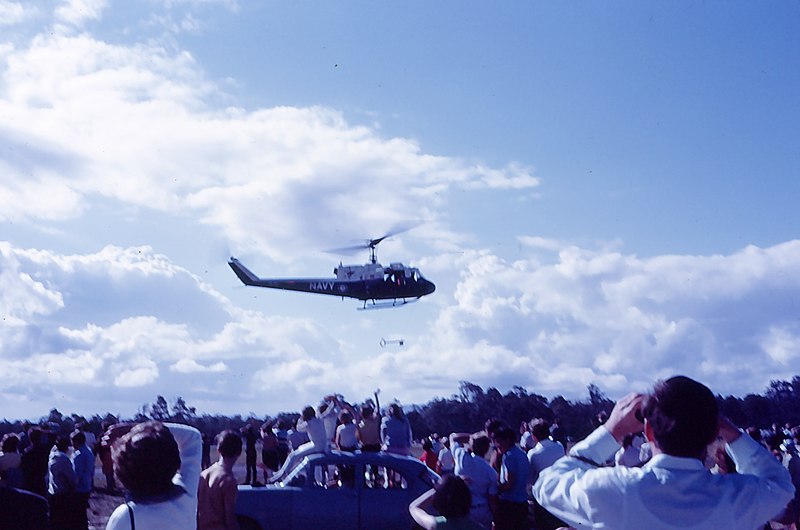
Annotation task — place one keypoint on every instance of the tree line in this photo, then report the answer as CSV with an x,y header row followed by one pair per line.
x,y
465,411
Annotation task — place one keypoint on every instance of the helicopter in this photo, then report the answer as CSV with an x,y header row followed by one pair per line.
x,y
377,286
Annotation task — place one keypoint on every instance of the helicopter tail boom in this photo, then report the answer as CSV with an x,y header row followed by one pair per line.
x,y
244,274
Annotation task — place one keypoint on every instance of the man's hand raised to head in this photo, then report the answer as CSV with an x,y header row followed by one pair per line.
x,y
624,418
727,430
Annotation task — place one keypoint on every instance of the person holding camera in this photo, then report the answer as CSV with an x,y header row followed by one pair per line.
x,y
673,490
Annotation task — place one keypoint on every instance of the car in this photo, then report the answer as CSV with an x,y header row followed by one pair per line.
x,y
338,491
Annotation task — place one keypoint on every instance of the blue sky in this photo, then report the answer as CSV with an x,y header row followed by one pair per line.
x,y
609,194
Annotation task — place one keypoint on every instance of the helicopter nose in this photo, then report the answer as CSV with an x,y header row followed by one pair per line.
x,y
430,287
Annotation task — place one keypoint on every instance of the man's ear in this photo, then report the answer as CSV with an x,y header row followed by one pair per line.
x,y
648,433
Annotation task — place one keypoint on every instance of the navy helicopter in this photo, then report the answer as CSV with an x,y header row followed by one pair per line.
x,y
377,286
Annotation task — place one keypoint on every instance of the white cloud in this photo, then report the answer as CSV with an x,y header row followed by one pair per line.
x,y
553,326
140,371
75,12
91,126
138,125
616,320
190,366
100,323
782,344
15,12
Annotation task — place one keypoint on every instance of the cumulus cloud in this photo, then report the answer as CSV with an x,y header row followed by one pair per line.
x,y
94,130
100,321
564,317
75,12
14,12
141,124
552,322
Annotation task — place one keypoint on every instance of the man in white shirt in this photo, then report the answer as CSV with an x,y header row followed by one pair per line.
x,y
544,454
545,451
673,490
446,461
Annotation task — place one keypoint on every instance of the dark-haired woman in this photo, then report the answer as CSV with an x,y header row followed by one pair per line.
x,y
159,467
452,499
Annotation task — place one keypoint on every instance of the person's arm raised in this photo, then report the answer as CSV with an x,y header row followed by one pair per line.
x,y
624,419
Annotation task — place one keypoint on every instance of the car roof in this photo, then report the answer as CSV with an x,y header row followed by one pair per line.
x,y
375,458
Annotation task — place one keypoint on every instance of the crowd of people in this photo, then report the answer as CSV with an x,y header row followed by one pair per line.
x,y
662,460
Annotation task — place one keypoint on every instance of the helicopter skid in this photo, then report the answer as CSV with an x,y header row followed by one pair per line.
x,y
372,304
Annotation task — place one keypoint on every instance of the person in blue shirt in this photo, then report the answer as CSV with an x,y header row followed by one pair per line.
x,y
512,507
83,462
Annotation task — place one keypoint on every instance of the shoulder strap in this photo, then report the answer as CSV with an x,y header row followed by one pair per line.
x,y
130,514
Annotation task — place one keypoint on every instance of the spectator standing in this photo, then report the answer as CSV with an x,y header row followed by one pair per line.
x,y
106,460
83,464
270,454
282,434
673,490
10,461
628,454
217,490
482,479
91,438
61,486
545,450
205,459
159,466
512,507
429,457
34,462
526,441
446,461
544,454
250,437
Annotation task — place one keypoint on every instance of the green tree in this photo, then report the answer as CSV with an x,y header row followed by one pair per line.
x,y
159,410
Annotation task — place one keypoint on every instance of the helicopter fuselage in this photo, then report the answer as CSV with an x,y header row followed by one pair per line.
x,y
366,282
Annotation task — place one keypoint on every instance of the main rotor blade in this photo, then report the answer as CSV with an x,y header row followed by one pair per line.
x,y
372,243
347,250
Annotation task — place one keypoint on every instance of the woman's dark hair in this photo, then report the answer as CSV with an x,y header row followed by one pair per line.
x,y
10,443
452,498
78,439
427,444
493,425
146,459
308,413
62,443
506,434
367,411
396,411
540,428
481,444
683,415
229,444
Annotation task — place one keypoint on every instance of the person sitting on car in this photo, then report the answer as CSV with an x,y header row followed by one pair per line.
x,y
318,442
